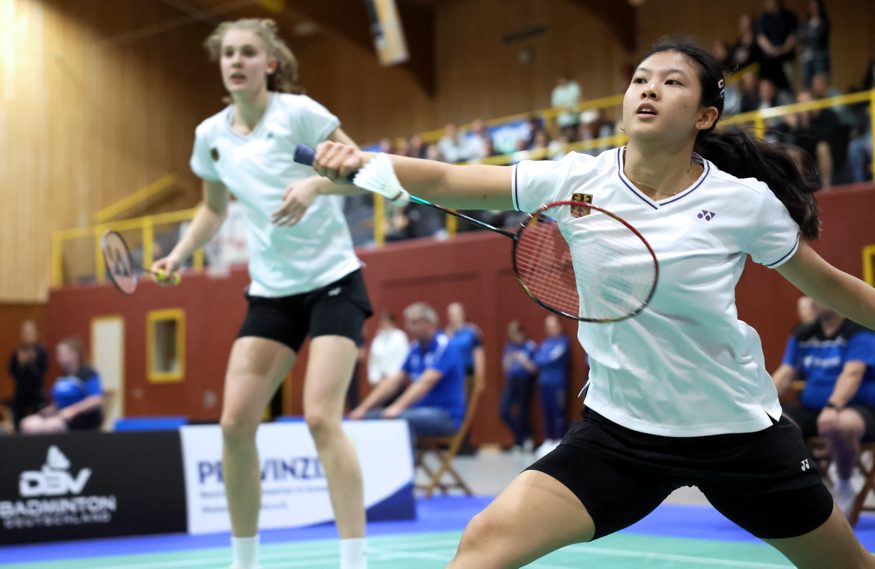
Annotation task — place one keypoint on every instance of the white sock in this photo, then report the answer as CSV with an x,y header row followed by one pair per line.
x,y
244,552
353,553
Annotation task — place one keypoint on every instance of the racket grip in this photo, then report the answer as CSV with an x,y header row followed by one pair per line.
x,y
162,278
306,155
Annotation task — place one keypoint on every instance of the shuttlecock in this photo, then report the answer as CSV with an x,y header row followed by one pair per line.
x,y
379,177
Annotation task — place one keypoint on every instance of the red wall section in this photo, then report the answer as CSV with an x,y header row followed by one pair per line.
x,y
473,269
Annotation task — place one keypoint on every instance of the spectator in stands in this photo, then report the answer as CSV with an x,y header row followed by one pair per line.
x,y
539,148
836,359
566,96
519,372
453,148
387,146
478,141
552,361
814,42
77,395
750,92
415,147
433,402
720,51
770,97
806,310
860,147
27,366
535,126
402,147
776,32
821,135
745,51
398,226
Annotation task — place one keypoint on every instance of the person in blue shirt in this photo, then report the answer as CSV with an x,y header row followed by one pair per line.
x,y
552,361
519,372
433,403
836,359
77,395
468,339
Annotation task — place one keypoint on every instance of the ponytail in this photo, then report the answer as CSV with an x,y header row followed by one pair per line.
x,y
794,184
742,156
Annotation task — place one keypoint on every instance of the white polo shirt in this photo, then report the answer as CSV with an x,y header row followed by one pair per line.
x,y
686,365
257,168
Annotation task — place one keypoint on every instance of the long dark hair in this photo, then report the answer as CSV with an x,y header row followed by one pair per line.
x,y
738,153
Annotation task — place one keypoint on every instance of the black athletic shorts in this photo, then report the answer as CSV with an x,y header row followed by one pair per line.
x,y
806,419
337,309
766,481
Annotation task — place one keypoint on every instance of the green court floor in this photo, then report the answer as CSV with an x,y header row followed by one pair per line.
x,y
434,550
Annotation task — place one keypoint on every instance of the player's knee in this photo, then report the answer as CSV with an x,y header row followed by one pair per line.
x,y
322,425
237,432
483,532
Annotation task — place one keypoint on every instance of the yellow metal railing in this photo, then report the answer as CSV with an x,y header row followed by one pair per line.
x,y
146,225
141,195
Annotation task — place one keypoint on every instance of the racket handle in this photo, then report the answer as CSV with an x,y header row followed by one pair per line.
x,y
162,278
306,155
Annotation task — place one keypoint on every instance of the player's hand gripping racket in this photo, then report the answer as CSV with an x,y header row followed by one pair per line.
x,y
573,258
120,265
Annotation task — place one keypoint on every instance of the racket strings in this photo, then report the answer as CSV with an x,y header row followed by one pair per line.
x,y
592,266
119,265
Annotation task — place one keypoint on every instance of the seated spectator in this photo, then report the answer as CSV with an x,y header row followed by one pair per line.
x,y
415,147
433,401
478,141
566,96
453,148
519,372
388,350
750,92
770,97
835,358
77,396
552,361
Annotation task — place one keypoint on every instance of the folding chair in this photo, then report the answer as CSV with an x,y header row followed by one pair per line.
x,y
865,465
445,449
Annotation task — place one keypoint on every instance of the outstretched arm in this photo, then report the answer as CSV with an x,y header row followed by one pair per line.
x,y
829,286
464,187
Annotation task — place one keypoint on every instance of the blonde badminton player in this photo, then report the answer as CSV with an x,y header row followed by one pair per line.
x,y
305,279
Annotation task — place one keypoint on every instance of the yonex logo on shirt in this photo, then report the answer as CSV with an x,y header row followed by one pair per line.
x,y
707,215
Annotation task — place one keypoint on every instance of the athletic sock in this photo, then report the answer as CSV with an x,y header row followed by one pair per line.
x,y
244,552
353,553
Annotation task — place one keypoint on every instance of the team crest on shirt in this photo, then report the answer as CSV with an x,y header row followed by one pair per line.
x,y
579,210
214,154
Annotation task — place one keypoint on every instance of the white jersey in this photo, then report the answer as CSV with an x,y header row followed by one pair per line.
x,y
257,168
686,365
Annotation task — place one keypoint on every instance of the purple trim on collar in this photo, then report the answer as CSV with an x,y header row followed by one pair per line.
x,y
625,183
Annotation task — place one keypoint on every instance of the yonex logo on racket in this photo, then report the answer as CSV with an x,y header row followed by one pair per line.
x,y
706,215
805,465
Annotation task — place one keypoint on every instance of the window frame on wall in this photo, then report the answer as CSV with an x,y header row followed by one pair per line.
x,y
177,373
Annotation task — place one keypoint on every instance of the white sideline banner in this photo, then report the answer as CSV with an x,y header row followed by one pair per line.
x,y
294,487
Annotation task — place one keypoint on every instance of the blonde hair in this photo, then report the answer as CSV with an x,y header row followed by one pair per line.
x,y
285,76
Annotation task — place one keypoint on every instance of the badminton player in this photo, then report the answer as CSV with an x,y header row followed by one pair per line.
x,y
306,279
679,395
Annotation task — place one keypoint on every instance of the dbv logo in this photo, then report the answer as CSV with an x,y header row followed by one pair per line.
x,y
53,479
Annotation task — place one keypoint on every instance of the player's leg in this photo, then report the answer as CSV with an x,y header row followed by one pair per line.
x,y
590,486
329,369
534,515
256,368
832,545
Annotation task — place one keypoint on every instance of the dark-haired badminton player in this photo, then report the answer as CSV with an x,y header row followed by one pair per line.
x,y
679,395
306,279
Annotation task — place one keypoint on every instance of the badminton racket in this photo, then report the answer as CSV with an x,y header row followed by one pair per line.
x,y
573,258
120,265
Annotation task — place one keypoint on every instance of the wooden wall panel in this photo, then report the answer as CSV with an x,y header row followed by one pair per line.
x,y
90,112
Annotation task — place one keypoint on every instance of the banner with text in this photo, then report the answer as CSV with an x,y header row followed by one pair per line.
x,y
83,485
294,487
